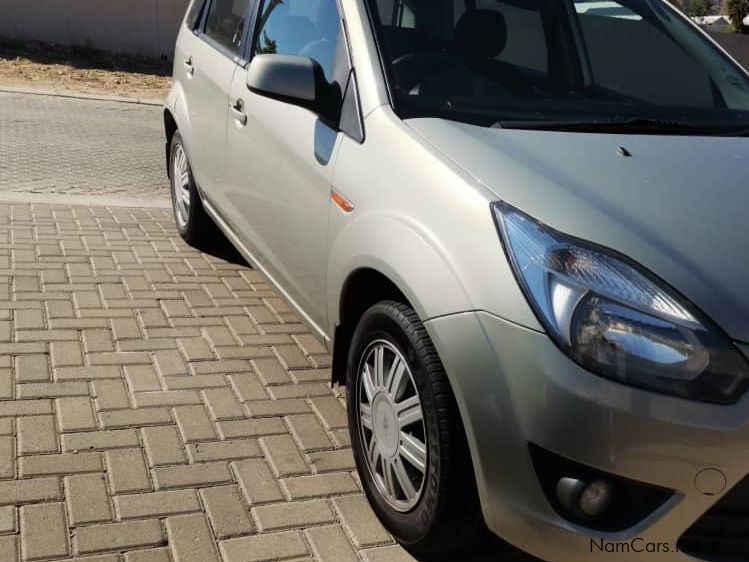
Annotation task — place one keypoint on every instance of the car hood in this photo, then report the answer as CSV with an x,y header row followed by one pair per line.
x,y
678,205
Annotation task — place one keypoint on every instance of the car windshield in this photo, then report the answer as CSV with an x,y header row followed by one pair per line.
x,y
622,65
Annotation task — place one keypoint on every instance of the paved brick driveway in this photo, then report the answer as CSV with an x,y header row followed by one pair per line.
x,y
156,403
161,402
53,145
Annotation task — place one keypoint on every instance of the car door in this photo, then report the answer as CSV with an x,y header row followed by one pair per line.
x,y
280,157
206,61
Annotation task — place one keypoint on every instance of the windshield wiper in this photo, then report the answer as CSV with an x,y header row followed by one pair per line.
x,y
633,126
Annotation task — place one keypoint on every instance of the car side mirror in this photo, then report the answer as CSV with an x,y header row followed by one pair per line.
x,y
297,81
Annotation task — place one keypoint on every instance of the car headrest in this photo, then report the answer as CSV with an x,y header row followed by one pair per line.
x,y
480,33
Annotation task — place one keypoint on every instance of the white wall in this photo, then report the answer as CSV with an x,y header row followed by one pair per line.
x,y
147,27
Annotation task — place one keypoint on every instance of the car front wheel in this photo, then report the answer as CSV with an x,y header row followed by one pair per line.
x,y
407,436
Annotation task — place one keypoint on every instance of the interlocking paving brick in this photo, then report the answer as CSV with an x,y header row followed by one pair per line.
x,y
66,354
308,432
75,414
25,408
16,492
275,408
51,389
139,417
321,485
32,368
156,504
190,539
284,455
163,446
118,536
364,527
194,424
204,474
257,481
330,544
228,515
9,549
44,531
111,395
294,514
37,434
87,499
251,428
223,404
8,522
127,471
261,548
66,463
224,450
87,373
150,555
330,411
7,457
328,461
100,440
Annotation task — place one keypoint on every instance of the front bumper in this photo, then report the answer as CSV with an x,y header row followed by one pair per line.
x,y
515,387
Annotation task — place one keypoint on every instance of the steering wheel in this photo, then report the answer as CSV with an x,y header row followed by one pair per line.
x,y
412,68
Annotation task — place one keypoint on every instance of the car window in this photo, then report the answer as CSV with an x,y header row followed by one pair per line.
x,y
225,23
629,56
502,62
306,28
526,41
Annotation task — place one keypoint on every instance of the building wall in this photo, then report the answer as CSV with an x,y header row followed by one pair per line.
x,y
146,27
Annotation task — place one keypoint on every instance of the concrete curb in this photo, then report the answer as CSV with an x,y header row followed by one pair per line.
x,y
82,96
158,201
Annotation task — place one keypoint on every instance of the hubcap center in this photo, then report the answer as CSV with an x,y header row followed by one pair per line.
x,y
385,424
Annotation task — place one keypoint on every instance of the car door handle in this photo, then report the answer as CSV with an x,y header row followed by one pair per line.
x,y
237,110
189,67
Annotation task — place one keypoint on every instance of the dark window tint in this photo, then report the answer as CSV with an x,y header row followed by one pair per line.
x,y
509,62
526,42
306,28
630,54
226,21
194,13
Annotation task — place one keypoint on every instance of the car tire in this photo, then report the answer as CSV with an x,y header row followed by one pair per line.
x,y
445,514
193,223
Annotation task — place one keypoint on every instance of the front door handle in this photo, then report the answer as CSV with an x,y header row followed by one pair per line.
x,y
237,110
189,67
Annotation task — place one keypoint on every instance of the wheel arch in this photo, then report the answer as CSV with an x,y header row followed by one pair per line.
x,y
363,288
170,128
386,257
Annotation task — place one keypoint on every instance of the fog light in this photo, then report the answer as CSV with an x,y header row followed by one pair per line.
x,y
597,498
593,498
588,500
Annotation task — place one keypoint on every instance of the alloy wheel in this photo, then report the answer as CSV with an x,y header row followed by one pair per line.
x,y
181,185
391,425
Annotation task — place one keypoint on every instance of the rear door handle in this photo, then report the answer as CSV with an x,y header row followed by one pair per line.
x,y
237,110
189,67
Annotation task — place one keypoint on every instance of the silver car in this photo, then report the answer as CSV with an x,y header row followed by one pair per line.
x,y
520,228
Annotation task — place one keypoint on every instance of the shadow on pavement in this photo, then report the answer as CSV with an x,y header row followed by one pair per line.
x,y
220,247
492,549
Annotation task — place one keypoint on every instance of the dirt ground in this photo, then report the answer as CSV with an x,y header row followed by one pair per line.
x,y
82,70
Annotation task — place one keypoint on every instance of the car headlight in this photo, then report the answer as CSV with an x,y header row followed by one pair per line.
x,y
617,320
